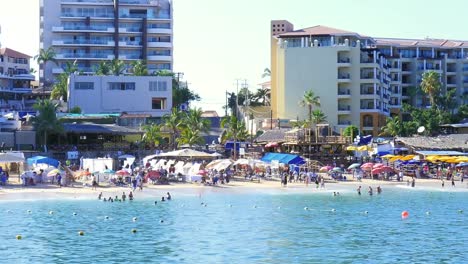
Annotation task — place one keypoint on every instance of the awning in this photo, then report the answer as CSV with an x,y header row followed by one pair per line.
x,y
441,153
43,160
283,158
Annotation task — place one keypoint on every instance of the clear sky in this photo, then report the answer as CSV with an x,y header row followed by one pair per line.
x,y
218,41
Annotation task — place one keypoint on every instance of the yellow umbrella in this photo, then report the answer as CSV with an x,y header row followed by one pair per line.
x,y
363,148
53,172
351,148
388,156
395,158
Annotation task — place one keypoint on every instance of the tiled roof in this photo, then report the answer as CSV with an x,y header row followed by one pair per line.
x,y
428,42
447,142
13,53
317,30
99,129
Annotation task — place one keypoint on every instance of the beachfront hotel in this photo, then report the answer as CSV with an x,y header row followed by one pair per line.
x,y
361,80
89,31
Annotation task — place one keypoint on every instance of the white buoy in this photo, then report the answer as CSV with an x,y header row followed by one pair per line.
x,y
279,207
460,211
230,205
135,219
333,210
51,212
306,208
106,217
74,213
366,212
428,213
29,211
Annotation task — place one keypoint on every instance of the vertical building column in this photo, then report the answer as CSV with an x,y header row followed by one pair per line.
x,y
462,53
433,53
424,65
417,52
332,41
302,42
391,51
375,56
116,27
144,39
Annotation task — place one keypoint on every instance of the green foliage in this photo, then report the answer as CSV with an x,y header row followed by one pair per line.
x,y
60,88
192,125
430,85
152,134
173,122
139,68
190,137
234,130
261,97
46,56
310,100
318,116
266,73
103,68
351,131
117,67
46,122
75,110
181,95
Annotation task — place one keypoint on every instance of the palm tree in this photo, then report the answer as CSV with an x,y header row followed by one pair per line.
x,y
266,73
46,122
430,85
45,56
190,137
103,68
70,67
262,96
351,131
234,129
152,134
173,122
393,127
310,100
194,121
60,88
117,67
318,116
139,68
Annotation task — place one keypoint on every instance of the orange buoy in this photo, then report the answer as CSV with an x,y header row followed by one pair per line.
x,y
404,214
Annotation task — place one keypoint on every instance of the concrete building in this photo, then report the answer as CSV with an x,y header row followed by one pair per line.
x,y
361,80
89,31
15,81
116,94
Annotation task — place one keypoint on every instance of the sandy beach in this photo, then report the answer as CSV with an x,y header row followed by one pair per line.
x,y
15,191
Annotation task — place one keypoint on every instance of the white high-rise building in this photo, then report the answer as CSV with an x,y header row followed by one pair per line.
x,y
89,31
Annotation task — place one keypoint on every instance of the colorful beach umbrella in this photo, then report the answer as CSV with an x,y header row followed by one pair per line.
x,y
337,169
123,173
351,148
377,165
354,166
53,172
325,168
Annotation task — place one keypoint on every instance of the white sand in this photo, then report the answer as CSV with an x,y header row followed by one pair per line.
x,y
41,192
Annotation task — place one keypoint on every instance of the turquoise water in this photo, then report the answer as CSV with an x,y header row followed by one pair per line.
x,y
241,227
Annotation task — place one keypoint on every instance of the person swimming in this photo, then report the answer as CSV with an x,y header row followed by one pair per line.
x,y
163,199
359,190
379,190
155,202
168,196
130,196
100,196
105,200
124,196
370,191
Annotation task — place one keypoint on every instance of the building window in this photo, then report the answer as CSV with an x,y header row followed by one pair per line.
x,y
158,103
84,85
122,86
159,86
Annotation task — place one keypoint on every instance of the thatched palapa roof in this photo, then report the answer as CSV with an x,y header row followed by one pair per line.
x,y
445,142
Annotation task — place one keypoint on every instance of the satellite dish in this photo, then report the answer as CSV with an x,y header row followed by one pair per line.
x,y
421,129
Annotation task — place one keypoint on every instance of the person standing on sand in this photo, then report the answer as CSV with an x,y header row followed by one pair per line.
x,y
285,180
322,183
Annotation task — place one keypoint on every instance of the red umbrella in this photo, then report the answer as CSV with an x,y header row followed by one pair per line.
x,y
377,171
377,165
367,166
386,168
202,172
153,175
123,173
271,145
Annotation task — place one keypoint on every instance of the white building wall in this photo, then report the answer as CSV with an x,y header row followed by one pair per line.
x,y
103,100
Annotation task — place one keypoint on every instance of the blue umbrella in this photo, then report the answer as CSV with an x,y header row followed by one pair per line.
x,y
463,164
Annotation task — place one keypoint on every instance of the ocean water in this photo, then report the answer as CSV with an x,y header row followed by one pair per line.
x,y
241,227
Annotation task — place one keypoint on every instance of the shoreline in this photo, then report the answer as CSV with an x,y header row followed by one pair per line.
x,y
16,192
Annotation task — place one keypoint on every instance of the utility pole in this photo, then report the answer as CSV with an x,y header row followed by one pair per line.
x,y
178,75
226,109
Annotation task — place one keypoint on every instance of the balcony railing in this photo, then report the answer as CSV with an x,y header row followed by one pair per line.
x,y
344,108
161,15
344,76
72,14
85,55
344,123
95,28
91,42
344,92
344,60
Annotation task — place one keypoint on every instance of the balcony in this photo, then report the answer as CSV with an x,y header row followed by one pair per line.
x,y
89,56
83,43
344,62
344,109
129,56
344,77
164,14
344,93
77,15
130,30
369,108
130,43
167,31
344,123
160,44
159,58
83,29
77,2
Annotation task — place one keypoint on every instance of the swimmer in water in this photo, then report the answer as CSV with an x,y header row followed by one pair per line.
x,y
334,193
155,202
379,190
359,190
163,199
105,200
370,191
124,196
130,196
100,196
168,196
